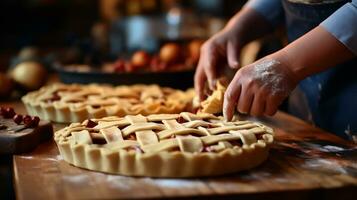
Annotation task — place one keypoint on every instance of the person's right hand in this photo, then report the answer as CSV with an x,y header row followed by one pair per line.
x,y
220,50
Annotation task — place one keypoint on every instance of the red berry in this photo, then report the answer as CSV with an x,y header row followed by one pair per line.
x,y
17,119
27,120
35,121
181,120
9,112
91,124
207,149
55,97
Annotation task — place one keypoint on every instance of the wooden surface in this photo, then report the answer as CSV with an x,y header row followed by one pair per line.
x,y
304,162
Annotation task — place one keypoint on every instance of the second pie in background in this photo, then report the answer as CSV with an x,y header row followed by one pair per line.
x,y
75,103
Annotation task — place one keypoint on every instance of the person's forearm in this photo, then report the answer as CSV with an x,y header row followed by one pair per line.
x,y
249,25
314,52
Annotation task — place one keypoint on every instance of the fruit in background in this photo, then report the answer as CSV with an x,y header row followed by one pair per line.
x,y
29,75
157,65
119,65
140,59
155,61
129,67
194,49
6,85
123,66
170,53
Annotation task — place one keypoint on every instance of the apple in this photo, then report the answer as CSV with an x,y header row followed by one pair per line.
x,y
170,52
140,59
29,75
194,49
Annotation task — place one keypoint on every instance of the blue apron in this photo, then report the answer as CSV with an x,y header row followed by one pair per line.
x,y
331,96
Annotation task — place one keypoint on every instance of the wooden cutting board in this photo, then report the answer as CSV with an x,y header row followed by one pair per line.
x,y
15,139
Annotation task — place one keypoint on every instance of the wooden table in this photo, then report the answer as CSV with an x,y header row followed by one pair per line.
x,y
305,162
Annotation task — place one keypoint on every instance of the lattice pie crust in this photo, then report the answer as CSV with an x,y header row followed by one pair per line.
x,y
75,103
165,145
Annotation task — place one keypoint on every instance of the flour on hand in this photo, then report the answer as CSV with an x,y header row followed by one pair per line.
x,y
270,76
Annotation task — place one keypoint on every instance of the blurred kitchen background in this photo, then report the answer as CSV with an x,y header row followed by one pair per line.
x,y
100,29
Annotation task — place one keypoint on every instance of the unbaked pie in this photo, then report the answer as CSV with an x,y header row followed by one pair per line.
x,y
75,103
165,145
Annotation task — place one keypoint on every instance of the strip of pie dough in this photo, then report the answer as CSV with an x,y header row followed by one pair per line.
x,y
247,136
190,144
146,137
135,118
164,145
217,138
172,124
107,124
159,117
184,131
222,129
142,126
81,137
112,134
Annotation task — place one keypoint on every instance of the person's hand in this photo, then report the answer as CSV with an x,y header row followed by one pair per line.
x,y
259,88
220,50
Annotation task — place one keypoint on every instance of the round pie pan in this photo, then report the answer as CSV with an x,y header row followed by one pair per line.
x,y
178,80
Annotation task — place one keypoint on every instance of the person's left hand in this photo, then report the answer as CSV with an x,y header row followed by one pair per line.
x,y
259,88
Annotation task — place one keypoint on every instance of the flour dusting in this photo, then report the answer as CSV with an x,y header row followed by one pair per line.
x,y
77,179
325,165
39,158
118,182
175,183
266,72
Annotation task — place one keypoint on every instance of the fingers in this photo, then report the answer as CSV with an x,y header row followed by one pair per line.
x,y
258,106
208,62
271,105
231,96
200,80
233,55
205,70
245,100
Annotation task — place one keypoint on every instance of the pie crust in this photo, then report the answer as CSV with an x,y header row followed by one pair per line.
x,y
214,103
75,103
165,145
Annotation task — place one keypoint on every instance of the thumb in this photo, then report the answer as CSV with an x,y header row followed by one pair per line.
x,y
233,53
